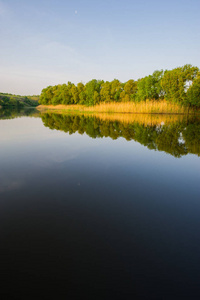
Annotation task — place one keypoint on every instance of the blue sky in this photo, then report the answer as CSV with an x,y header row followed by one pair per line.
x,y
47,42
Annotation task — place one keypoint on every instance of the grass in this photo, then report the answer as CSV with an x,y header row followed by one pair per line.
x,y
149,106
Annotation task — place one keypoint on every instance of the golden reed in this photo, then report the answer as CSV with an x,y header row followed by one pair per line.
x,y
146,119
149,106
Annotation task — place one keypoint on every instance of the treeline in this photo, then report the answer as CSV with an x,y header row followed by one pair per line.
x,y
9,100
180,85
178,138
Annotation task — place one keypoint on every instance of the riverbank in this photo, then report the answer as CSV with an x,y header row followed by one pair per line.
x,y
150,107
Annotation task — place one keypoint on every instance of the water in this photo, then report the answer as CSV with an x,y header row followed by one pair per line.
x,y
104,207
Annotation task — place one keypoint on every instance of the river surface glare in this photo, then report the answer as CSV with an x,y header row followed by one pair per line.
x,y
99,207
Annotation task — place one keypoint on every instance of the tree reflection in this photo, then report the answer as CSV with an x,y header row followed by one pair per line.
x,y
17,112
177,137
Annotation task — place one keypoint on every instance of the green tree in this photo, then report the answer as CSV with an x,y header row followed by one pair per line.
x,y
105,92
150,87
116,89
130,89
193,93
175,83
67,97
81,92
75,94
92,88
46,95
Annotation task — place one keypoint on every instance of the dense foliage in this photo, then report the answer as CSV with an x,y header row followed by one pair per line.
x,y
177,139
180,85
9,100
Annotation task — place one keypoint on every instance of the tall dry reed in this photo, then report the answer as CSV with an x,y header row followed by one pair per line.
x,y
149,106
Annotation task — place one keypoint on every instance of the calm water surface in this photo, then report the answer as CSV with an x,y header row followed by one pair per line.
x,y
98,207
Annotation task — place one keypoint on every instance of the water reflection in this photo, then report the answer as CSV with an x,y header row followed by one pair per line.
x,y
12,113
92,216
176,135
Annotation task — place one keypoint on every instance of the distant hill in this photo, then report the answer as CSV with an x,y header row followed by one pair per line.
x,y
9,100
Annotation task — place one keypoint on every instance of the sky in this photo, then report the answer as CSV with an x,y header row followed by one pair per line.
x,y
48,42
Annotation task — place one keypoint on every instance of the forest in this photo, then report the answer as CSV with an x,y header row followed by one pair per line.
x,y
17,101
180,85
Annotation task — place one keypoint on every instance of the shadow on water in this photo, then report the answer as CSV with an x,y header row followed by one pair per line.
x,y
175,135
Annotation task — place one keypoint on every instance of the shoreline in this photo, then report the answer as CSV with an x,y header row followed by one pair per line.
x,y
148,107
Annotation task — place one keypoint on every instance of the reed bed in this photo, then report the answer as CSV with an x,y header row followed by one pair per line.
x,y
149,106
